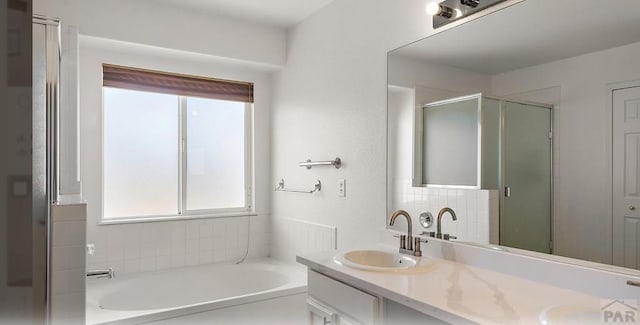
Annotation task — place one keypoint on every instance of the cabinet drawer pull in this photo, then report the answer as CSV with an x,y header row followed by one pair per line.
x,y
328,315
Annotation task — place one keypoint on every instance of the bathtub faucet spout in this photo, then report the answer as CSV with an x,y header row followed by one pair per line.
x,y
108,273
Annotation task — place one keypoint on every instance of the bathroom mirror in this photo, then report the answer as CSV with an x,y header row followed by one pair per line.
x,y
556,146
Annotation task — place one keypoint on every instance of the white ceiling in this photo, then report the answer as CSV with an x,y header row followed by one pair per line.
x,y
531,33
281,13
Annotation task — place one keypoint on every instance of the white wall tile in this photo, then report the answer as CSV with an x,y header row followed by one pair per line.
x,y
206,256
115,252
192,259
471,207
148,249
65,309
164,245
178,246
69,233
131,266
163,262
206,243
219,255
67,257
147,264
205,229
96,266
68,262
192,229
132,251
115,235
293,237
68,282
178,260
70,212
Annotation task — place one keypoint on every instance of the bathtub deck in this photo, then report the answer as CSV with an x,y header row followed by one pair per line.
x,y
291,294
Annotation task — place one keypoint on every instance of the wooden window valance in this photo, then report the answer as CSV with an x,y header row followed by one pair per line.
x,y
176,84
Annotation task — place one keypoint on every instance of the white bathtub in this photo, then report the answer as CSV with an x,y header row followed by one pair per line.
x,y
151,296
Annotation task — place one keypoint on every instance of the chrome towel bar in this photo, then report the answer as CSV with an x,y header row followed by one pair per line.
x,y
280,187
337,163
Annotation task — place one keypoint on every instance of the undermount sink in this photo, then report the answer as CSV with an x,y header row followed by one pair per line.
x,y
374,260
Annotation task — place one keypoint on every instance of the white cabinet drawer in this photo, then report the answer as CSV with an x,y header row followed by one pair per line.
x,y
351,302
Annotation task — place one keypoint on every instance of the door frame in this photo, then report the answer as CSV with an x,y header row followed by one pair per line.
x,y
610,89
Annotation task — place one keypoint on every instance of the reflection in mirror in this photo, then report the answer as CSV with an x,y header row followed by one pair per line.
x,y
450,134
555,147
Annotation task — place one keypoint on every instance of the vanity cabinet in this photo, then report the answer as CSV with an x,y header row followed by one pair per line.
x,y
333,302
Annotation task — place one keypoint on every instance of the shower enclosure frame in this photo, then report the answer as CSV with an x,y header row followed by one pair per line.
x,y
46,147
417,170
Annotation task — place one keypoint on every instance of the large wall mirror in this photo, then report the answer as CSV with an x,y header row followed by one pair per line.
x,y
526,122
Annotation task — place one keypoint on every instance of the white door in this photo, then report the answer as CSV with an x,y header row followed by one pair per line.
x,y
626,177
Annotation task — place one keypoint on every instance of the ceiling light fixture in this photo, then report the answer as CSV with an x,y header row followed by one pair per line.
x,y
436,9
470,3
444,12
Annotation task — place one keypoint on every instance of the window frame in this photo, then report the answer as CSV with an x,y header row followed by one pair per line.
x,y
183,213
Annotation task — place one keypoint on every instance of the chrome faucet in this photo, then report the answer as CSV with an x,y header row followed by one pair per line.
x,y
108,273
439,223
407,242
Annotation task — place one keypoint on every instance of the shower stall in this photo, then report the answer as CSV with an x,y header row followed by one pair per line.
x,y
486,142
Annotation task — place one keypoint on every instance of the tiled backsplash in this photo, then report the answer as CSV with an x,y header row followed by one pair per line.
x,y
150,246
476,210
292,237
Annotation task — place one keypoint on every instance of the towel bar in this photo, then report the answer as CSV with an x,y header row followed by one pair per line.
x,y
336,162
280,187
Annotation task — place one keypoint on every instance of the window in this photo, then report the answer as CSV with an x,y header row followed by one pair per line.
x,y
174,148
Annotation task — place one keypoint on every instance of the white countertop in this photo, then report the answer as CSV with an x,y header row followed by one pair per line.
x,y
456,292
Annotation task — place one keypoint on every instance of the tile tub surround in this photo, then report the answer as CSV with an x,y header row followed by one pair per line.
x,y
291,237
68,263
151,246
459,292
476,210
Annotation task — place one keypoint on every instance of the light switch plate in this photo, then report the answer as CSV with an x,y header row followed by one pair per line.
x,y
342,187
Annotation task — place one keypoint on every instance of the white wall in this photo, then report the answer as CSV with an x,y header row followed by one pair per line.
x,y
410,73
159,245
156,36
582,135
330,101
151,23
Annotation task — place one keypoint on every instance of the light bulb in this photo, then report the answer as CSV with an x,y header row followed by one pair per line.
x,y
457,13
433,8
436,9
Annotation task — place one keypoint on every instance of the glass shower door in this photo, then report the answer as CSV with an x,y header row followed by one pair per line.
x,y
525,219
